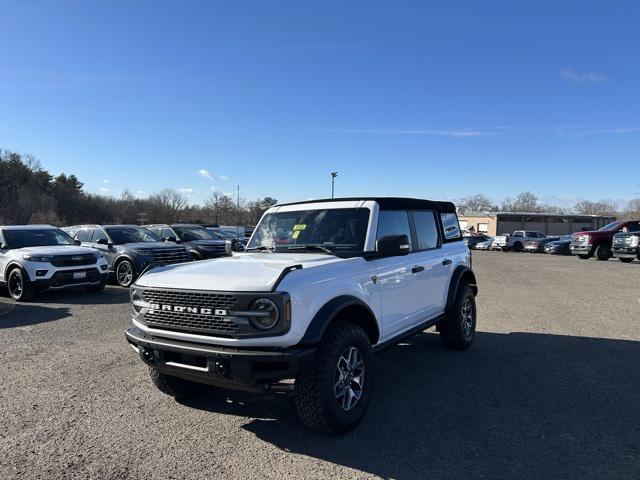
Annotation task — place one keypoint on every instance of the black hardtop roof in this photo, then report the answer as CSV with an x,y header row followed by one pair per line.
x,y
390,203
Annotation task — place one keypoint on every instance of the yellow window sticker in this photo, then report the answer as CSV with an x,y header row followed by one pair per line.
x,y
299,226
295,234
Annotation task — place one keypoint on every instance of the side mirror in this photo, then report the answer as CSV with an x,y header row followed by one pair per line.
x,y
3,246
172,239
393,245
77,242
102,241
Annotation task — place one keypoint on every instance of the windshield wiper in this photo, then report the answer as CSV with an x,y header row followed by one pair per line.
x,y
311,247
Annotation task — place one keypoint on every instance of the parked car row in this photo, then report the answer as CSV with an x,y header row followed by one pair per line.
x,y
619,239
35,258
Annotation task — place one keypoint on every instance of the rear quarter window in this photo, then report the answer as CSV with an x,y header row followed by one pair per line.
x,y
450,226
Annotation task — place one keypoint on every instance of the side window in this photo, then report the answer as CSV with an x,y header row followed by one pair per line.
x,y
166,233
83,235
98,234
426,230
517,234
451,226
394,222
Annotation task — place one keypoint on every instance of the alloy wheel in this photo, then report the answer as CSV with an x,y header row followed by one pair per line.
x,y
124,274
467,317
15,285
349,378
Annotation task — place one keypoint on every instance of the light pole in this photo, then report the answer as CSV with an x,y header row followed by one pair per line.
x,y
333,181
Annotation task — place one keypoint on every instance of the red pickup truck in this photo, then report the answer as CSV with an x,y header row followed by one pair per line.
x,y
598,243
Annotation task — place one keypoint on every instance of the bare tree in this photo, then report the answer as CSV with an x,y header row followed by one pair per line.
x,y
476,203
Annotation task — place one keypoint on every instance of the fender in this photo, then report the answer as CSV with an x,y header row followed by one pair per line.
x,y
10,266
462,272
323,318
124,256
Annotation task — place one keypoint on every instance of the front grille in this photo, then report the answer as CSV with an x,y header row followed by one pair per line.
x,y
169,255
186,321
215,248
73,260
64,278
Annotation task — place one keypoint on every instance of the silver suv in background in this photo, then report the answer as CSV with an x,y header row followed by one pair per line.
x,y
34,258
516,240
201,242
129,249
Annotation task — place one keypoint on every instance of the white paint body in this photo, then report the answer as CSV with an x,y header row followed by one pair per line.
x,y
399,298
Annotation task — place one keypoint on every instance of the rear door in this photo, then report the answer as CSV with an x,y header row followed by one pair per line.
x,y
433,268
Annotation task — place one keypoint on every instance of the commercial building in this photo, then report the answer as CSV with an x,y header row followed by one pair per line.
x,y
498,223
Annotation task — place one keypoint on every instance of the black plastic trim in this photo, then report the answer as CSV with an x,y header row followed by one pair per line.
x,y
285,271
454,285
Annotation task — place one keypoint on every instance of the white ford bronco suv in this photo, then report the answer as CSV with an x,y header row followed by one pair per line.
x,y
321,287
34,258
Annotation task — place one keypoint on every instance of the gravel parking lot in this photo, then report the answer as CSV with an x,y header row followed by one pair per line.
x,y
550,389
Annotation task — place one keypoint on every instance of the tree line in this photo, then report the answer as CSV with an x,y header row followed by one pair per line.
x,y
30,194
529,202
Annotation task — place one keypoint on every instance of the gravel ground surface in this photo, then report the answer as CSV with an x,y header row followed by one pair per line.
x,y
550,389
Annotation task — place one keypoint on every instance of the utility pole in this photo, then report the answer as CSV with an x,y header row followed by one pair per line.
x,y
238,214
333,181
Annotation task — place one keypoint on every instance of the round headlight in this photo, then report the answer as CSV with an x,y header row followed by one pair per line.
x,y
137,302
266,314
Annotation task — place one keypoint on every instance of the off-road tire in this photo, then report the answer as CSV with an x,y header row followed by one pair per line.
x,y
174,386
603,252
20,289
626,260
315,396
455,331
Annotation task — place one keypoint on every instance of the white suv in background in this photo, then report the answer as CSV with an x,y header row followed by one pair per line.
x,y
516,240
35,258
321,286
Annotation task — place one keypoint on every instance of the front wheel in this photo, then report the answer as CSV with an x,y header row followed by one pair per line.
x,y
125,274
19,287
625,260
333,395
603,252
517,247
459,327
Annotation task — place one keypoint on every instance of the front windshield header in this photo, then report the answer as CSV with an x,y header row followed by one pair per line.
x,y
122,235
334,230
37,237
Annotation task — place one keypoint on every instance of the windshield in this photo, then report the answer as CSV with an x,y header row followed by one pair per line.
x,y
189,234
37,237
121,235
339,230
222,235
609,227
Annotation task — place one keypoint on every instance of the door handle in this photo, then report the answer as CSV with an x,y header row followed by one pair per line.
x,y
446,261
417,269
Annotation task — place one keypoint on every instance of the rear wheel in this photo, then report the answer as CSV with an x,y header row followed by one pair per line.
x,y
333,395
603,252
459,327
174,386
625,260
125,274
19,287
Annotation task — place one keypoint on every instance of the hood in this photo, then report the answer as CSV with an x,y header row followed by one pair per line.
x,y
149,245
204,243
245,272
57,250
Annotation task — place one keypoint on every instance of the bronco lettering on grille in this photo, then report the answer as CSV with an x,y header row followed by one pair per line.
x,y
184,309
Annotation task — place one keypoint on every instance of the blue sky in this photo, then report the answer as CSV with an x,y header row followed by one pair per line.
x,y
435,100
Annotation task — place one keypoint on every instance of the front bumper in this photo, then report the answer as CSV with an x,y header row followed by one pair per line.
x,y
626,252
580,249
79,277
232,368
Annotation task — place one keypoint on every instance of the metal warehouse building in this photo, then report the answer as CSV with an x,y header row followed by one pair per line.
x,y
498,223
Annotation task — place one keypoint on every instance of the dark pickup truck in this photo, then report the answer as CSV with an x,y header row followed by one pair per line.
x,y
599,243
626,246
